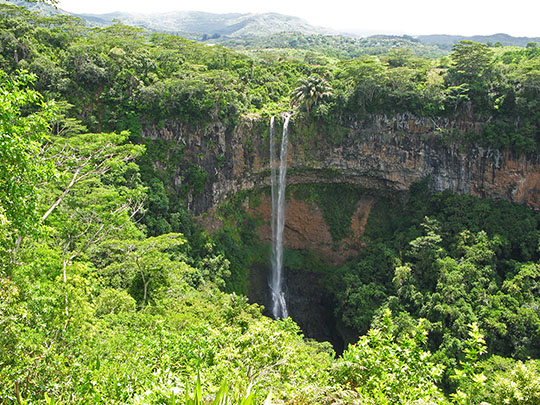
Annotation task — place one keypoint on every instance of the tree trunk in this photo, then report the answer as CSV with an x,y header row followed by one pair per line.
x,y
64,279
66,191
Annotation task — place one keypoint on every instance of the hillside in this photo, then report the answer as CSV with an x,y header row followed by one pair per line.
x,y
337,46
195,24
41,8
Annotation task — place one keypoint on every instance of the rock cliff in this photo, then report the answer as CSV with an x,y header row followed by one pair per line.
x,y
384,154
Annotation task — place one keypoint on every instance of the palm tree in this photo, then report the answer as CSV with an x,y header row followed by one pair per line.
x,y
310,92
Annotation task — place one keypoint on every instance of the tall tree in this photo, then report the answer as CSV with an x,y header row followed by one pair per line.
x,y
87,205
472,69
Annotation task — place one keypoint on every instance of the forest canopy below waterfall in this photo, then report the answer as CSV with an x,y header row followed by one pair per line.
x,y
112,292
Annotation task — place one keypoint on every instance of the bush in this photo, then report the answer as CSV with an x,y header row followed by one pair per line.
x,y
112,301
519,385
390,369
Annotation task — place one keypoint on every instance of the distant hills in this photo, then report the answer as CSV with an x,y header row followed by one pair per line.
x,y
264,30
37,7
208,25
447,41
196,24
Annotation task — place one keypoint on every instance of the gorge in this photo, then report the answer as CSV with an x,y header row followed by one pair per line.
x,y
379,157
169,235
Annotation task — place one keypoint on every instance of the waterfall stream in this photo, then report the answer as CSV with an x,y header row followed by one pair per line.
x,y
278,182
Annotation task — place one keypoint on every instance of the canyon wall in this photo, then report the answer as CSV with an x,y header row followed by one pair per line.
x,y
379,153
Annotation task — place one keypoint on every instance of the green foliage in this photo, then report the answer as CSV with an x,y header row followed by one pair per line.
x,y
24,127
383,368
237,243
223,397
98,308
111,301
472,67
143,268
362,286
468,374
454,260
324,49
120,77
149,355
115,74
519,384
95,196
310,92
196,178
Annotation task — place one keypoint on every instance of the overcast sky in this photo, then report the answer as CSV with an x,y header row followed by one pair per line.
x,y
413,17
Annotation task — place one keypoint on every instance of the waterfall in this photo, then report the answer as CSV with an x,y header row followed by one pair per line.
x,y
278,182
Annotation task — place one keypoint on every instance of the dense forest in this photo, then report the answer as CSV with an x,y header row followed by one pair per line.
x,y
111,292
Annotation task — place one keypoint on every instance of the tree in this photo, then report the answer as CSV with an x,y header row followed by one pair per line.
x,y
472,66
92,209
365,79
471,61
95,196
422,272
469,375
519,385
82,157
24,118
145,262
310,92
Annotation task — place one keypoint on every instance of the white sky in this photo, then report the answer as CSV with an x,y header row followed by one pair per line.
x,y
413,17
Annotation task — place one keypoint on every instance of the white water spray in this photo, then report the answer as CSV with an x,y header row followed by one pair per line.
x,y
279,305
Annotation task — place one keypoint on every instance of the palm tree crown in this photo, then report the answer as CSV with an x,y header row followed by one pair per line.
x,y
311,91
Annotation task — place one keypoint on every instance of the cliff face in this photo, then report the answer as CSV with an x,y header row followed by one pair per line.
x,y
306,228
379,153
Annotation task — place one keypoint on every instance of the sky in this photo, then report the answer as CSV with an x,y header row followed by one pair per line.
x,y
412,17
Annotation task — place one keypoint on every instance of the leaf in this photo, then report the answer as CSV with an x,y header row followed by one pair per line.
x,y
222,394
48,400
248,400
198,390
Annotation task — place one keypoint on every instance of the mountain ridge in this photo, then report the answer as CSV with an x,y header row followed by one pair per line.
x,y
198,22
199,25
